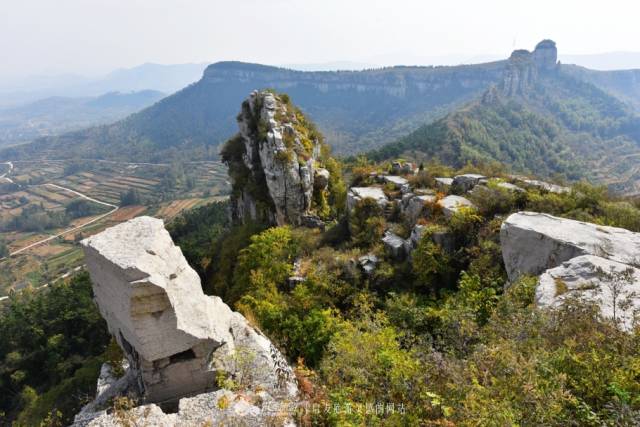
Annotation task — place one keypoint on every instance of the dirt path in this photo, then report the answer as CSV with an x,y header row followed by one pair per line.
x,y
71,230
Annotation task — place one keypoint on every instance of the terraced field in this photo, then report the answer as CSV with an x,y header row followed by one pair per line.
x,y
163,190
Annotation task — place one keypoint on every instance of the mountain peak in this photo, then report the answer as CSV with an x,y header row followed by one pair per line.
x,y
524,67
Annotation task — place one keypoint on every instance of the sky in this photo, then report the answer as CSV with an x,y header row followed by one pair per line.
x,y
90,37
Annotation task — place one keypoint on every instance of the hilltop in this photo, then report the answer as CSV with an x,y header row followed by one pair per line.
x,y
541,119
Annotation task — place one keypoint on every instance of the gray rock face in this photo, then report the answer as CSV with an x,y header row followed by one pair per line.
x,y
452,204
321,178
356,194
614,286
444,184
466,182
273,157
575,260
394,245
175,338
510,187
397,181
551,188
219,408
534,242
368,263
545,55
413,206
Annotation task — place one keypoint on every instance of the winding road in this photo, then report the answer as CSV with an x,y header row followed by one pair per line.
x,y
70,230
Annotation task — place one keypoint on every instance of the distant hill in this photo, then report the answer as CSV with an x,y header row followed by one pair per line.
x,y
357,110
540,119
158,77
57,115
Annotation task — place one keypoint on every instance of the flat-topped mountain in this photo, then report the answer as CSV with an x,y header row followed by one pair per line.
x,y
541,118
357,110
570,113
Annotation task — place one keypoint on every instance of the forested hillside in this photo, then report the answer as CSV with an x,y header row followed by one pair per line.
x,y
556,125
358,110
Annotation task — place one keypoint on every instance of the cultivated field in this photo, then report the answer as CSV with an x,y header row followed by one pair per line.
x,y
160,190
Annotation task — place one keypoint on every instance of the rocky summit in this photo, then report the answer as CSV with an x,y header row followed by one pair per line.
x,y
273,162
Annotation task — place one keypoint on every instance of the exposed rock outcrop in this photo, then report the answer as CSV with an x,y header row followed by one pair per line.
x,y
452,204
613,286
463,183
524,67
575,259
177,340
534,242
272,162
356,194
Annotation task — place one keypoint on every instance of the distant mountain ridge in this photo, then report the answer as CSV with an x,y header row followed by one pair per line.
x,y
542,118
357,110
56,115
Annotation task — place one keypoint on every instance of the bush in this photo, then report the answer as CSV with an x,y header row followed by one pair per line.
x,y
366,223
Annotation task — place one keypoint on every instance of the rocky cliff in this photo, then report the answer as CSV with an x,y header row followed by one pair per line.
x,y
177,341
524,67
273,162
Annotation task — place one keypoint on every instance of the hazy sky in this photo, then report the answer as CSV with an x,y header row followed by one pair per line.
x,y
94,36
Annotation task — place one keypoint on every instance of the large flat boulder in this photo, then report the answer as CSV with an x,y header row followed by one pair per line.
x,y
452,204
466,182
613,286
534,242
356,194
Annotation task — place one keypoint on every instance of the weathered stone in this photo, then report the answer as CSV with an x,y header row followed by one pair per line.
x,y
288,176
452,204
312,221
368,263
594,279
542,185
414,206
509,186
394,245
534,242
219,408
175,338
396,167
466,182
356,194
408,168
545,55
445,239
321,178
397,181
444,184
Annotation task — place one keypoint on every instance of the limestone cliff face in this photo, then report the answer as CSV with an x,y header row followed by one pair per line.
x,y
178,341
272,162
524,68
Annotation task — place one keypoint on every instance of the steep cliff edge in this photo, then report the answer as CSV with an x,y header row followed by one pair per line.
x,y
274,162
178,342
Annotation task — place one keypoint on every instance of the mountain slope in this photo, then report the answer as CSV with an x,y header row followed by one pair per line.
x,y
540,121
356,110
57,115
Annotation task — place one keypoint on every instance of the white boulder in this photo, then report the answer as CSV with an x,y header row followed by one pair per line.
x,y
452,204
534,242
613,286
356,194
